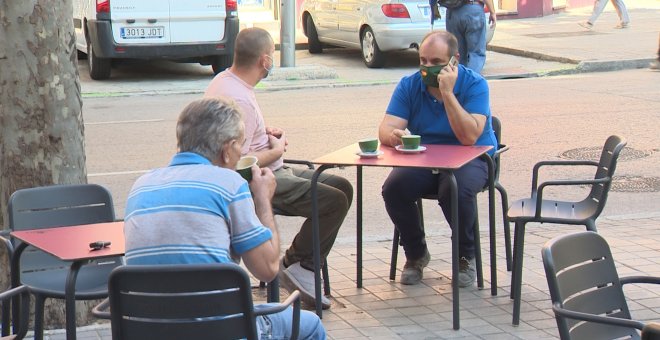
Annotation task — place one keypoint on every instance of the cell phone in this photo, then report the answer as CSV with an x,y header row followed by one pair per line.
x,y
98,245
453,61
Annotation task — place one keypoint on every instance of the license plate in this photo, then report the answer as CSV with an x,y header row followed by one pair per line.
x,y
139,32
426,11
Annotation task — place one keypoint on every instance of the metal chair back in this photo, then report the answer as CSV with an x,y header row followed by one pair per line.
x,y
582,277
181,302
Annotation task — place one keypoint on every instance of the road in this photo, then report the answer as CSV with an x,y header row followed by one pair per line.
x,y
542,118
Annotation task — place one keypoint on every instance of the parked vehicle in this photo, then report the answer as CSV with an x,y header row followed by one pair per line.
x,y
200,31
375,26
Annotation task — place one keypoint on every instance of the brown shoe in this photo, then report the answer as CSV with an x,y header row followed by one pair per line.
x,y
413,270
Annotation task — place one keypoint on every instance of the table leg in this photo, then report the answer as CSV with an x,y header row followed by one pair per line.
x,y
358,203
491,222
453,187
316,241
70,296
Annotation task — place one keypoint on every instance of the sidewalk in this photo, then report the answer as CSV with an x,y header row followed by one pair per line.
x,y
389,310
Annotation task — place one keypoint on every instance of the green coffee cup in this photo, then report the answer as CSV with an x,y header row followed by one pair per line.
x,y
411,141
368,144
244,166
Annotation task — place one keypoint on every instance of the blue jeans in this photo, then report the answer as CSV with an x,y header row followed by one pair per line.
x,y
278,326
468,24
404,186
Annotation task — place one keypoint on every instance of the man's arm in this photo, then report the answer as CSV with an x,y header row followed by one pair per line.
x,y
493,15
391,129
466,126
263,260
274,152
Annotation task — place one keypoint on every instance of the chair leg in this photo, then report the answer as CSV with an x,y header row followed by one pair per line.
x,y
477,249
273,290
395,253
505,222
516,277
591,226
5,317
39,302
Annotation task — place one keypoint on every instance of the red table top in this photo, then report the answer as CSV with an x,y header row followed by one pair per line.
x,y
448,157
72,243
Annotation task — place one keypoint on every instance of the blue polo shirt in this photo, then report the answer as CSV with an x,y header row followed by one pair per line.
x,y
426,115
191,212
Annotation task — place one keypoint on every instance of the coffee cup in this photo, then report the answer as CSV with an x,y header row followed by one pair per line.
x,y
244,166
368,145
410,142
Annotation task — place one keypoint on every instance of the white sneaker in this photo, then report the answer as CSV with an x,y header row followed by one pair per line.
x,y
296,277
586,25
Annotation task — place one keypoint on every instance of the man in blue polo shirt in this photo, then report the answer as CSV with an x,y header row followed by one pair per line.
x,y
199,210
444,103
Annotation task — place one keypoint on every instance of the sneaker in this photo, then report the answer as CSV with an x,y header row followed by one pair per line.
x,y
413,270
296,277
586,25
622,25
655,65
467,273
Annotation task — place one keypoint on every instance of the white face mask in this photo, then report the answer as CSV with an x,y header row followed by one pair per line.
x,y
269,70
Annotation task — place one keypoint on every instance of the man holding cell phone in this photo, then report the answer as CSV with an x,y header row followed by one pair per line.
x,y
444,103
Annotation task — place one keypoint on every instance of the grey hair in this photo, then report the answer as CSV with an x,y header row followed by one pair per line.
x,y
205,125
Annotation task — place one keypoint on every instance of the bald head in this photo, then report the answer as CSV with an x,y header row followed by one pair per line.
x,y
435,38
251,44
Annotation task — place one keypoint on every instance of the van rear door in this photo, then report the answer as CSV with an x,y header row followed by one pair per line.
x,y
140,21
197,20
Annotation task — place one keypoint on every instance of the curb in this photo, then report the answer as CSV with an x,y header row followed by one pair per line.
x,y
530,54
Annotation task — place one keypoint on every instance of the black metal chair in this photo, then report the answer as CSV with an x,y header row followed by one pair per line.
x,y
497,127
538,209
586,291
57,206
191,301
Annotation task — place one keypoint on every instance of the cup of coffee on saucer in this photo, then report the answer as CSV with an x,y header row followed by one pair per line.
x,y
411,142
368,145
244,166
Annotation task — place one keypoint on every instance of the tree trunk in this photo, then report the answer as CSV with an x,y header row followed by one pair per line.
x,y
40,109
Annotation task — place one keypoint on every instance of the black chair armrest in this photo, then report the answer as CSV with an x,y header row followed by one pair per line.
x,y
502,148
101,310
293,299
5,296
537,167
639,279
301,162
608,320
568,182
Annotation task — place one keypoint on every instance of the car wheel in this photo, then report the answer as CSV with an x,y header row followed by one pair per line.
x,y
99,68
372,55
221,63
313,43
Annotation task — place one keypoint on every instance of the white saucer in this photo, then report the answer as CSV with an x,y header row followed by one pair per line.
x,y
400,148
369,154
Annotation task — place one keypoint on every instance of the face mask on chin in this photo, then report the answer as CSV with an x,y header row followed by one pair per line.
x,y
430,74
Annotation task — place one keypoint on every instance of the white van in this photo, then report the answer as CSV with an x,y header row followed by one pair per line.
x,y
199,31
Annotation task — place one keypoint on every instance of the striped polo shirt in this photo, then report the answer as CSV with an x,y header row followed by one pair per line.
x,y
191,212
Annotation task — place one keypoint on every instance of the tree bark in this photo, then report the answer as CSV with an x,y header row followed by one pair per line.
x,y
41,140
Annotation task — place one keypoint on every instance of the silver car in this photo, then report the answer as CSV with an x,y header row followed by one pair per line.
x,y
375,26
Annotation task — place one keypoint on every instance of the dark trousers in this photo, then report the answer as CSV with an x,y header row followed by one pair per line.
x,y
404,186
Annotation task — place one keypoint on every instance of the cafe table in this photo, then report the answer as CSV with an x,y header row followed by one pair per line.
x,y
446,158
70,244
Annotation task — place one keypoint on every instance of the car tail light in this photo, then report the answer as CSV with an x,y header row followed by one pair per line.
x,y
486,9
231,6
102,6
395,11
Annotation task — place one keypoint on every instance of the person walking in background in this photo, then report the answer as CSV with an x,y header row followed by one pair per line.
x,y
467,24
599,5
655,65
